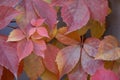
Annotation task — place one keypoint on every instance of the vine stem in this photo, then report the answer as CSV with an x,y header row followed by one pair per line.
x,y
81,45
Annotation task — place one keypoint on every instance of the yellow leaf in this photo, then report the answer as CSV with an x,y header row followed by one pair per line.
x,y
47,75
48,1
83,30
33,66
97,29
52,34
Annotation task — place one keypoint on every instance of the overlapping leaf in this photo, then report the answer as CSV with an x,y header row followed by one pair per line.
x,y
76,13
7,75
67,59
28,42
16,35
8,58
89,64
103,74
90,49
49,59
86,54
96,29
6,15
98,7
47,75
39,47
34,9
33,66
108,49
24,48
68,39
78,74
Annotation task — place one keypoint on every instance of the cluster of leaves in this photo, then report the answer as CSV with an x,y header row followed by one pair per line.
x,y
43,50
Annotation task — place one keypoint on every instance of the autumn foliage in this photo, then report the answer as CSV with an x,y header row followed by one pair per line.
x,y
43,47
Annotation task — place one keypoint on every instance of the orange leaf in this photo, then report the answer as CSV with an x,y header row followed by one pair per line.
x,y
37,22
16,35
66,40
36,36
67,59
108,49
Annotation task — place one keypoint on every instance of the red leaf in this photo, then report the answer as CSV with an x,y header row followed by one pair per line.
x,y
91,46
20,68
76,13
75,16
31,31
89,64
6,15
98,7
1,71
10,3
50,56
103,74
24,19
34,9
89,51
78,74
44,10
7,75
67,59
24,48
42,31
39,47
8,55
37,22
